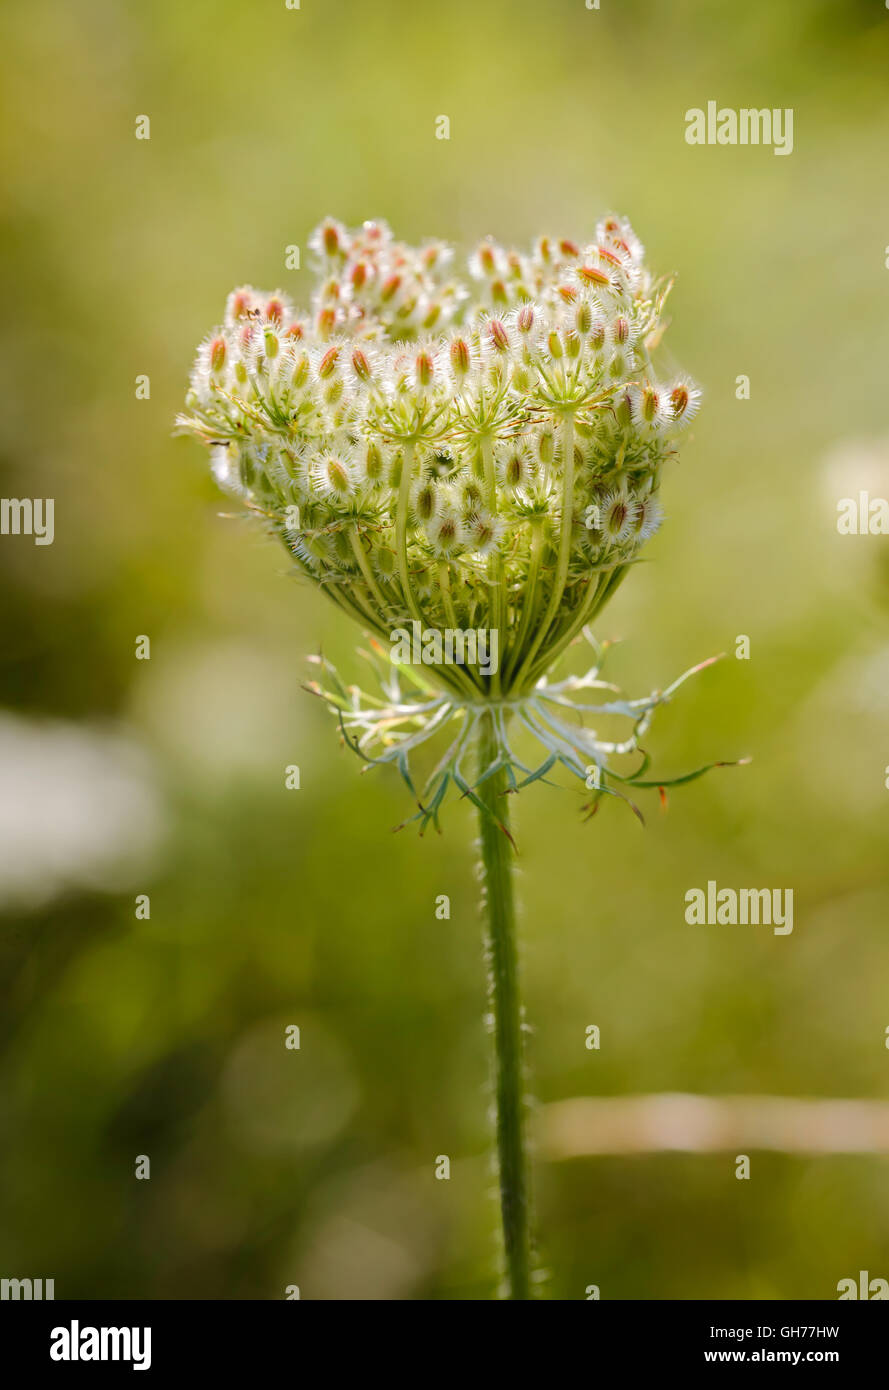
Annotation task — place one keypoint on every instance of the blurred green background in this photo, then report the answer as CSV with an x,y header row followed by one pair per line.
x,y
165,1037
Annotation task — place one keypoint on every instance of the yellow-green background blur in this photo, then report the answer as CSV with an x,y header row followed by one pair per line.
x,y
125,1037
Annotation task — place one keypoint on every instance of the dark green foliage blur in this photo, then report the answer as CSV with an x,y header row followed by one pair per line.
x,y
164,1037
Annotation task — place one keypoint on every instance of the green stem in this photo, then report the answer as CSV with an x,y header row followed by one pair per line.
x,y
495,567
591,607
367,572
404,488
561,575
444,580
529,608
506,1008
465,677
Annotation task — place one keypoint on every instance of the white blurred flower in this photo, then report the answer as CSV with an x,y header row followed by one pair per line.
x,y
79,809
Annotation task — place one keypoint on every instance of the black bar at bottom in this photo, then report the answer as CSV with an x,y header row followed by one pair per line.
x,y
65,1338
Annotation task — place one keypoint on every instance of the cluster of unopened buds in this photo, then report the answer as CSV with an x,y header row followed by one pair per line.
x,y
450,456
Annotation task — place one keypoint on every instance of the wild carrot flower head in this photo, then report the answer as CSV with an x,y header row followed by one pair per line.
x,y
482,451
474,454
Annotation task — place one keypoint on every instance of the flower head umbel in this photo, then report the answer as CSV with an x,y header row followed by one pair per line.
x,y
475,455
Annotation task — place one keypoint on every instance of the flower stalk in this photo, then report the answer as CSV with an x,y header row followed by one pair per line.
x,y
507,1017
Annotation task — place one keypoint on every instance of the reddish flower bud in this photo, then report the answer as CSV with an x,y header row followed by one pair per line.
x,y
679,399
498,335
423,368
459,357
217,354
591,275
360,365
327,366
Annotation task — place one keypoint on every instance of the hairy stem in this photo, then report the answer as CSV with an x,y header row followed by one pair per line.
x,y
506,1008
